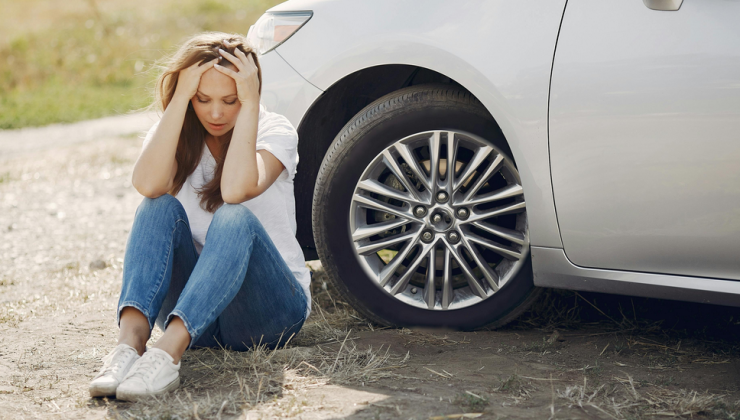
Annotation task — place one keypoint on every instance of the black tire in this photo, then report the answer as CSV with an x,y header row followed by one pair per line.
x,y
394,116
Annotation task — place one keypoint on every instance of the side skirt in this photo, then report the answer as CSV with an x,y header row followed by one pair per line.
x,y
553,269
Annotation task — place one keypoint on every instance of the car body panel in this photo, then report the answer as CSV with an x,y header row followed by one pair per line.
x,y
644,137
284,90
511,77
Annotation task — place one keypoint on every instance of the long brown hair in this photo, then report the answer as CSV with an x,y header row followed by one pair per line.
x,y
199,49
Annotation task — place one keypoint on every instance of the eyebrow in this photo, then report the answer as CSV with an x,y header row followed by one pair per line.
x,y
203,94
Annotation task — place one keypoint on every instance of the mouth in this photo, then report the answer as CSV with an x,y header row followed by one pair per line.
x,y
216,127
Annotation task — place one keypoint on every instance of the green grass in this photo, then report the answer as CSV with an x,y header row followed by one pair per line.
x,y
64,61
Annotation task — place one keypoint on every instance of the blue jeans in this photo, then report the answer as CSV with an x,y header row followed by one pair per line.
x,y
238,293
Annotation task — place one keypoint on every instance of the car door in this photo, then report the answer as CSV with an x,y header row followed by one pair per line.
x,y
644,136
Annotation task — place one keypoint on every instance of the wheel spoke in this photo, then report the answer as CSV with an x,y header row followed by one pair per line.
x,y
498,161
434,155
377,228
451,160
480,155
387,272
447,293
404,280
430,291
502,250
508,234
489,274
475,285
382,206
498,211
379,188
391,163
406,154
509,191
384,243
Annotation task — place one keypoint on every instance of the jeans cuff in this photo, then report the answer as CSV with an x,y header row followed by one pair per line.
x,y
188,326
137,306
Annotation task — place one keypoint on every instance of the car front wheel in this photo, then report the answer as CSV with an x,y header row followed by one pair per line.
x,y
419,213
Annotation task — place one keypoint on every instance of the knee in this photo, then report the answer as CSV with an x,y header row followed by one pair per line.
x,y
234,214
164,202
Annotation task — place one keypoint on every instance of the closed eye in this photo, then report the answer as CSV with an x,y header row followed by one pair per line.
x,y
230,103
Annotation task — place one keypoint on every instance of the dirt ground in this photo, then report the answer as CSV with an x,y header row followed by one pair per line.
x,y
66,207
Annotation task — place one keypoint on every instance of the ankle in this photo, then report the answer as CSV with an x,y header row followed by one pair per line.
x,y
137,344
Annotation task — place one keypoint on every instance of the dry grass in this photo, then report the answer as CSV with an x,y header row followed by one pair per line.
x,y
422,338
517,388
622,400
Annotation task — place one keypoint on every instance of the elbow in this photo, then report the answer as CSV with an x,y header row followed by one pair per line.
x,y
149,191
231,196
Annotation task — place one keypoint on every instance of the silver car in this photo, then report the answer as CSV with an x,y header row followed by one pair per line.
x,y
454,156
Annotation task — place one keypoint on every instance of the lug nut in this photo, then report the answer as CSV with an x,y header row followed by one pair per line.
x,y
420,211
453,237
437,218
463,213
414,290
427,236
442,196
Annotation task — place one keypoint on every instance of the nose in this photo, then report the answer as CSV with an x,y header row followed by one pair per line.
x,y
216,112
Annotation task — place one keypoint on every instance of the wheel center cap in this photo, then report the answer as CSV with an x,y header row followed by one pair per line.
x,y
440,220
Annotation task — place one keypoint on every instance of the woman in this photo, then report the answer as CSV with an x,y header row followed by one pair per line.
x,y
212,257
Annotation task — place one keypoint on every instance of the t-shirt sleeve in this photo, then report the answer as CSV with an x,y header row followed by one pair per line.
x,y
278,136
149,135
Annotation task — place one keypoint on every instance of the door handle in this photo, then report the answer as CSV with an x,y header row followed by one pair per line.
x,y
665,5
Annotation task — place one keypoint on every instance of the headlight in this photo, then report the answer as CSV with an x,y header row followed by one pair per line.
x,y
274,28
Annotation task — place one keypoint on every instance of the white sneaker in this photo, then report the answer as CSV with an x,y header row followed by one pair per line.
x,y
115,366
153,373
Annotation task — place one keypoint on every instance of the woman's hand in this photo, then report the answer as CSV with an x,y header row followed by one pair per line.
x,y
189,79
247,82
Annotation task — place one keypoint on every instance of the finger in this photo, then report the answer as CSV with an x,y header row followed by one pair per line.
x,y
207,65
231,73
235,61
242,57
250,57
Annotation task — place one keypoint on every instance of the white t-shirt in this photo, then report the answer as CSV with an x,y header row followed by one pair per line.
x,y
275,208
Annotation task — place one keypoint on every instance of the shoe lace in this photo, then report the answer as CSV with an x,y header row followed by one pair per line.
x,y
145,367
115,360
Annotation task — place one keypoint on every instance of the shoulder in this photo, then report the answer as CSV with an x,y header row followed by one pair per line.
x,y
272,124
277,135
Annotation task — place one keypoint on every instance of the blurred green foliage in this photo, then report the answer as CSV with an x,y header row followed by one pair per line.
x,y
63,61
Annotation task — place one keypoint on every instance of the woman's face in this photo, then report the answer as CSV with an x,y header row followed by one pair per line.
x,y
216,103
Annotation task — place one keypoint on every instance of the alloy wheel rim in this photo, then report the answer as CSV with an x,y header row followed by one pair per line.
x,y
444,199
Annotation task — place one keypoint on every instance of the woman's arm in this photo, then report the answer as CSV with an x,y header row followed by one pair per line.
x,y
155,169
247,172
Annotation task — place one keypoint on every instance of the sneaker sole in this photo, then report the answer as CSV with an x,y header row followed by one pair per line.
x,y
130,396
99,392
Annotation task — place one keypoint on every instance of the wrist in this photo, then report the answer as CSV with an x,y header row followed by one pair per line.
x,y
180,99
249,107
